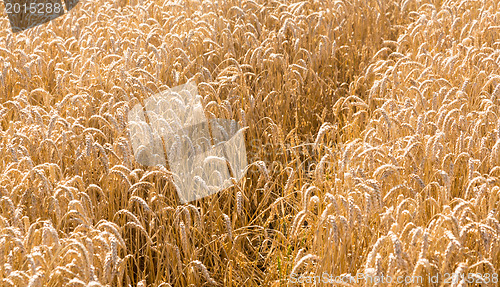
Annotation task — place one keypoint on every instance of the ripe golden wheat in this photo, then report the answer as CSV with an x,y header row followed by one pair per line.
x,y
373,140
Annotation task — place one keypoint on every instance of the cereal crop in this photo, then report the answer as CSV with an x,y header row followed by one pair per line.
x,y
372,136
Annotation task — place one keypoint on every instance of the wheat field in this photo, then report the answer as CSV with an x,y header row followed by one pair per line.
x,y
373,138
